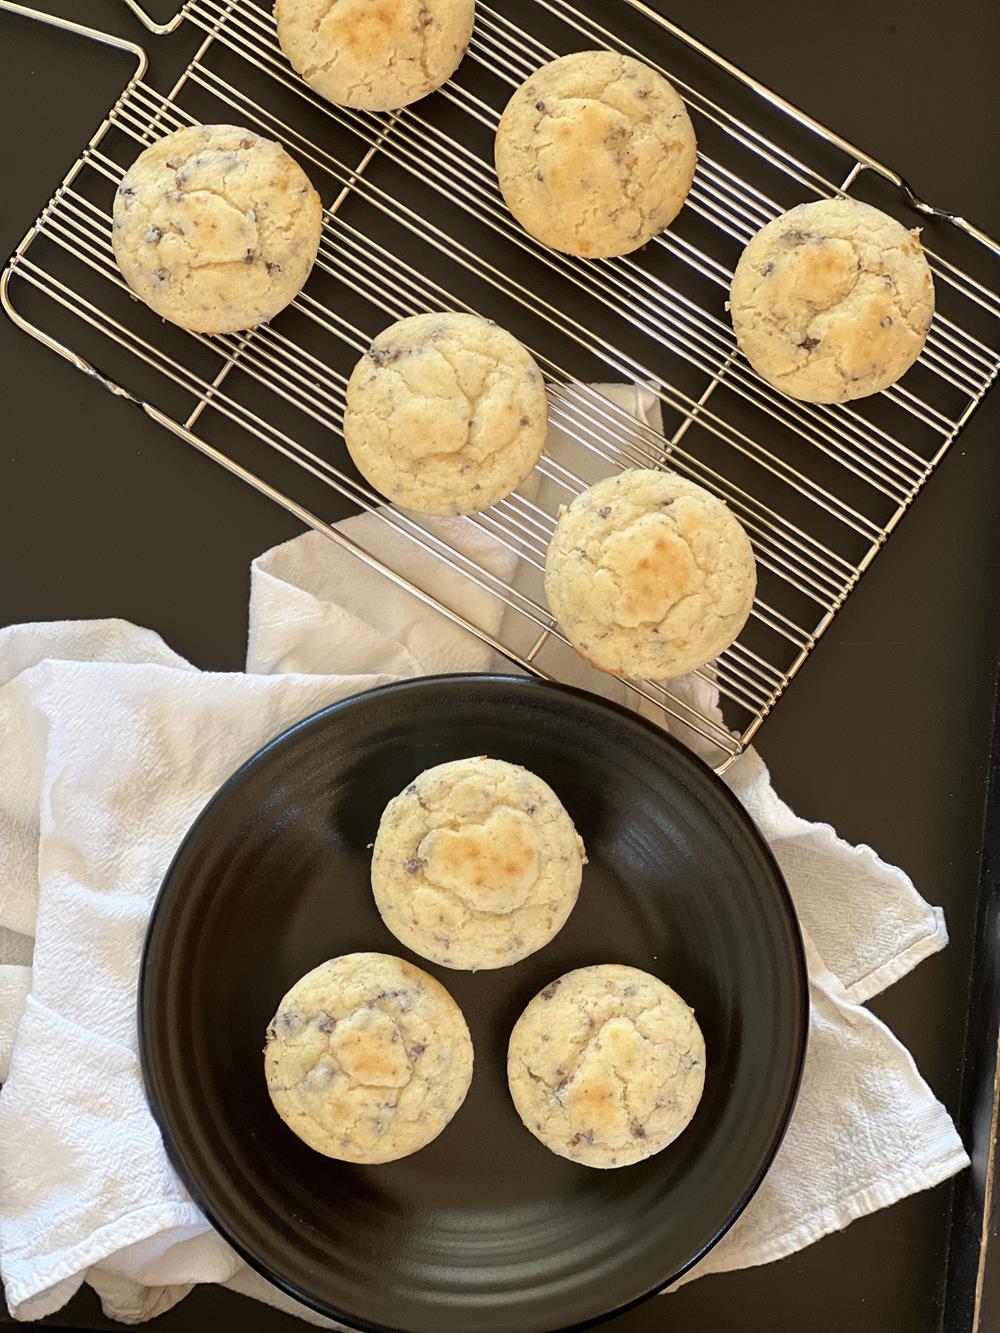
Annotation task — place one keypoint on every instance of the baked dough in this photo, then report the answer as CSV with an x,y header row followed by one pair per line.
x,y
606,1065
446,414
215,228
376,55
832,301
595,154
476,864
649,575
367,1058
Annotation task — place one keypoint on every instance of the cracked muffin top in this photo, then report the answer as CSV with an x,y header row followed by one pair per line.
x,y
649,574
476,864
375,55
606,1065
595,154
446,414
367,1058
215,228
832,301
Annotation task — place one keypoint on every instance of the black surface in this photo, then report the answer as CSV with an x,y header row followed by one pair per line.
x,y
484,1228
886,733
974,1255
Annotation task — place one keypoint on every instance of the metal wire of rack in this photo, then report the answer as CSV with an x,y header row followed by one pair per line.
x,y
415,222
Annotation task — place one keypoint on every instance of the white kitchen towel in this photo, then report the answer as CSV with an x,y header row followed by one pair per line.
x,y
111,745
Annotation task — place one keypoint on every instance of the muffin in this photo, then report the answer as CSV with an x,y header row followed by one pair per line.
x,y
832,301
446,414
367,1058
215,228
595,154
606,1066
476,864
376,57
649,575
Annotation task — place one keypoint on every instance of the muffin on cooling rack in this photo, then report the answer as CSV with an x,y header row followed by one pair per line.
x,y
374,56
649,575
595,154
446,414
606,1065
832,301
368,1058
215,228
476,864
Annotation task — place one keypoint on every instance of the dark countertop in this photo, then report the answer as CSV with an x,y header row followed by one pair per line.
x,y
886,733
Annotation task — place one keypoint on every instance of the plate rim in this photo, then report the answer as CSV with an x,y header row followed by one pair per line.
x,y
544,688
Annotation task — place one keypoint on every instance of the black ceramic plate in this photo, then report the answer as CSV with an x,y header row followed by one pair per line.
x,y
484,1229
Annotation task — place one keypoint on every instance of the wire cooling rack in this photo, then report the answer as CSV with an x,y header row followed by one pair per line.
x,y
414,222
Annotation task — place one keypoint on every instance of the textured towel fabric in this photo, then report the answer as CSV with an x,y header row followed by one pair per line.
x,y
111,745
